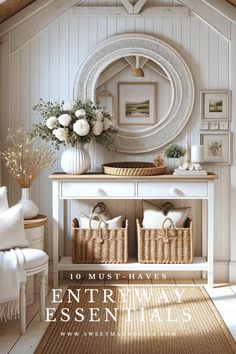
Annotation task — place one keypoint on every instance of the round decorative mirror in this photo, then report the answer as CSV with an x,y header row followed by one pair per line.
x,y
146,85
137,92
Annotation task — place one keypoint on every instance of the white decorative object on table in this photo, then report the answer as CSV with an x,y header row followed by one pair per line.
x,y
74,125
190,169
197,153
24,162
30,209
3,199
75,160
173,163
175,154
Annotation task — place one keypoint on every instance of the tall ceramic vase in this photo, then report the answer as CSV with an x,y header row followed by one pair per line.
x,y
75,160
30,209
173,163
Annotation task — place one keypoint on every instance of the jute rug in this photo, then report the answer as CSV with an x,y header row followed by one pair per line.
x,y
137,320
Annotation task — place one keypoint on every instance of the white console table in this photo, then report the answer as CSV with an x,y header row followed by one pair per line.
x,y
100,186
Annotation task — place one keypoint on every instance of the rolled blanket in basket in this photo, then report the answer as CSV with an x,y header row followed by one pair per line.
x,y
12,273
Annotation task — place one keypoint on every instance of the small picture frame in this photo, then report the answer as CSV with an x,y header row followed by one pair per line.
x,y
224,125
216,147
215,105
213,125
137,103
204,125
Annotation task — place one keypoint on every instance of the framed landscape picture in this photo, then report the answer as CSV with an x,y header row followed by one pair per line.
x,y
137,103
215,105
217,147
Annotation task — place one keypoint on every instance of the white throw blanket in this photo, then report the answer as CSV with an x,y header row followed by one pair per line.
x,y
12,272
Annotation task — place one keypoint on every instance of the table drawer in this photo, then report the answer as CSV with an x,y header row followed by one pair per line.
x,y
172,190
98,189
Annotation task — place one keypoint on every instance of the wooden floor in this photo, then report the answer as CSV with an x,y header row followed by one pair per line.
x,y
223,296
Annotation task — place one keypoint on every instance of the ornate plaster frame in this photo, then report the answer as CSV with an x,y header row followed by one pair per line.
x,y
171,62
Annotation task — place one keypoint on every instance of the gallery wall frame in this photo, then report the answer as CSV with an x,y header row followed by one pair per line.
x,y
215,105
217,147
137,103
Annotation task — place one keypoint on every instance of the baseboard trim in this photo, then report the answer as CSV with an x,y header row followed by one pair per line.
x,y
232,272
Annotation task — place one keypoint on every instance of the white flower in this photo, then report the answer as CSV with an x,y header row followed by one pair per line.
x,y
51,122
106,123
61,134
64,119
68,105
80,113
97,127
99,114
81,127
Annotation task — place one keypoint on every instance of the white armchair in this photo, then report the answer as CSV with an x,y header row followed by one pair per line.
x,y
12,235
36,262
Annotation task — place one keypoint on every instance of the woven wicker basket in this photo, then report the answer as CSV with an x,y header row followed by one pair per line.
x,y
99,245
165,245
133,168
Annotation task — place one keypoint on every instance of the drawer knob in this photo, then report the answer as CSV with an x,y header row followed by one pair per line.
x,y
101,192
173,190
176,191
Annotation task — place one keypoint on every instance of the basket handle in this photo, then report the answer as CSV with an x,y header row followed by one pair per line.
x,y
100,230
92,217
166,228
167,219
75,223
103,207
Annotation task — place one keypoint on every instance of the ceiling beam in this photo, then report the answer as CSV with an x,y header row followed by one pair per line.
x,y
138,6
121,11
129,7
208,14
38,21
35,8
223,8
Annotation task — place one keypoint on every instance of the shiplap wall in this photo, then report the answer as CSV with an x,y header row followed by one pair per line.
x,y
46,65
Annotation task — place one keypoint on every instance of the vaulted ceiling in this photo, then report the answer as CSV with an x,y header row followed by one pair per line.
x,y
233,2
9,8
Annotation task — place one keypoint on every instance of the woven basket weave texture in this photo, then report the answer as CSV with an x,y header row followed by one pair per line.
x,y
165,245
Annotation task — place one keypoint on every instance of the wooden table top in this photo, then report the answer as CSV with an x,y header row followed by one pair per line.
x,y
102,176
39,220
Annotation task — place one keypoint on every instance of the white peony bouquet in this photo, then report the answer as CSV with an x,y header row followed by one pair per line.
x,y
74,123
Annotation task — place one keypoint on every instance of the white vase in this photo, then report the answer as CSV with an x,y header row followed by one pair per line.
x,y
173,163
30,209
75,160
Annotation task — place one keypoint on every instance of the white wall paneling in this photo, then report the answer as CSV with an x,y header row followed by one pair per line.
x,y
44,65
232,201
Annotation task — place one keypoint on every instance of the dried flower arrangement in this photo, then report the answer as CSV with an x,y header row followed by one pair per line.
x,y
23,160
159,161
74,123
174,151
